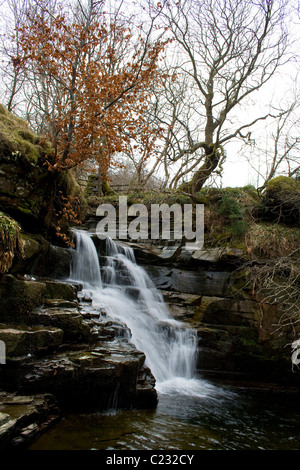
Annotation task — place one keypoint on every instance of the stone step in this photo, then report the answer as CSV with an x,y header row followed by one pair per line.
x,y
29,340
61,303
86,377
68,320
24,418
20,295
78,321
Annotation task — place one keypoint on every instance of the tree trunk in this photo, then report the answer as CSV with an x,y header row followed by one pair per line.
x,y
212,158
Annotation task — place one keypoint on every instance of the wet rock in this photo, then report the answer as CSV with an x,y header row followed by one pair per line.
x,y
146,395
19,297
103,371
21,341
88,378
7,429
52,262
24,418
61,303
68,320
60,290
200,282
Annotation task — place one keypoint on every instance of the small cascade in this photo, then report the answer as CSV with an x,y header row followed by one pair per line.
x,y
85,263
128,295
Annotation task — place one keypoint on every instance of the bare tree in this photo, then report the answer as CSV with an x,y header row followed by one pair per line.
x,y
161,116
277,152
13,14
229,50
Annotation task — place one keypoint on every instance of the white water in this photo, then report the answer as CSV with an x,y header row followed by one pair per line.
x,y
85,266
127,294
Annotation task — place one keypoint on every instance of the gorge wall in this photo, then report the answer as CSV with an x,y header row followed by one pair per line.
x,y
61,355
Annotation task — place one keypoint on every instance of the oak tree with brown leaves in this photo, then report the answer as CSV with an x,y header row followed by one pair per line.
x,y
91,73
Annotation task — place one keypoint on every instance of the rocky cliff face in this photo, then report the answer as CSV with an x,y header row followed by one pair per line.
x,y
239,334
29,192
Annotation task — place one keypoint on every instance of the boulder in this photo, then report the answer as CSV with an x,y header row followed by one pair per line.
x,y
42,259
19,297
281,200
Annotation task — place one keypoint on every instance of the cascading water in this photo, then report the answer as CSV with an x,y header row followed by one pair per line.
x,y
127,294
85,264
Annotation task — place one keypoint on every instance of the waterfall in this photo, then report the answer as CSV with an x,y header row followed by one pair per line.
x,y
85,263
127,294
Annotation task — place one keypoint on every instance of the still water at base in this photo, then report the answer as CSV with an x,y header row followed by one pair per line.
x,y
192,414
224,421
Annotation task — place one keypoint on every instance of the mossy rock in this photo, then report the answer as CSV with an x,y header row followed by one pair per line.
x,y
30,246
283,183
282,200
16,138
239,285
41,200
42,259
24,198
19,297
60,290
202,308
11,243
